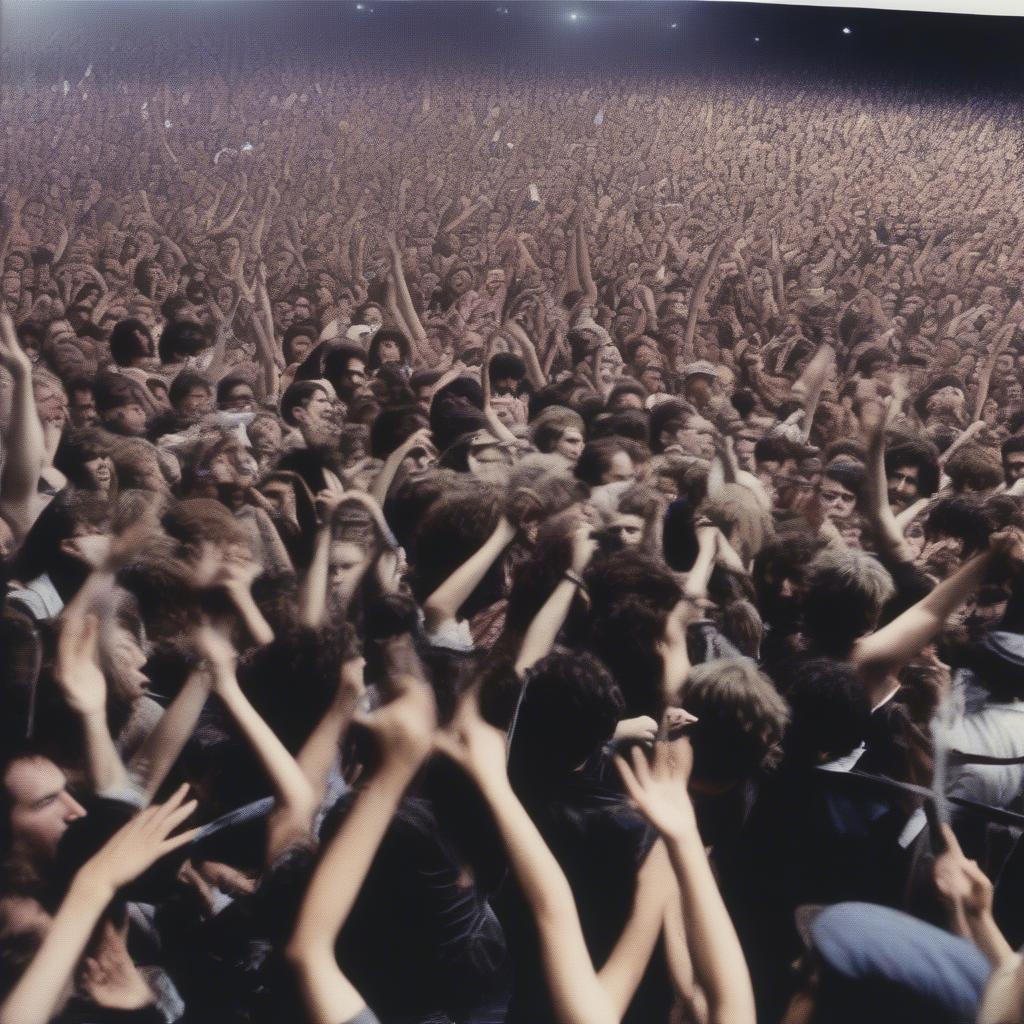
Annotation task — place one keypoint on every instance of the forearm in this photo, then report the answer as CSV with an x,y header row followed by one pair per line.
x,y
576,992
258,627
320,751
717,955
313,595
106,772
26,456
156,757
544,628
989,939
37,996
444,603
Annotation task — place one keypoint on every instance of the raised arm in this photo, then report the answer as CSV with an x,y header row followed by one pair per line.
x,y
25,454
543,631
403,729
700,289
294,806
660,792
444,603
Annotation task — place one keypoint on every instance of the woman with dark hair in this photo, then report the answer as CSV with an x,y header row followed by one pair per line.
x,y
389,348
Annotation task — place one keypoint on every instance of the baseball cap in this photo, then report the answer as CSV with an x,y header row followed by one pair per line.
x,y
882,965
700,368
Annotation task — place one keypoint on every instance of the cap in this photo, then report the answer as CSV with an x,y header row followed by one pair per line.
x,y
882,965
701,368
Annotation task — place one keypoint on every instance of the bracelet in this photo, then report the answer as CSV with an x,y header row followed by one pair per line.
x,y
576,579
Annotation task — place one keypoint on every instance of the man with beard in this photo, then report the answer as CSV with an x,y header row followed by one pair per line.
x,y
912,472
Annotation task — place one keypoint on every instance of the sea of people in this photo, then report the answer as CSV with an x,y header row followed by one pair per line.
x,y
485,546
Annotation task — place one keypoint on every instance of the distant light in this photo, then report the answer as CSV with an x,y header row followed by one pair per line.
x,y
675,24
360,7
167,124
757,39
574,16
246,147
847,30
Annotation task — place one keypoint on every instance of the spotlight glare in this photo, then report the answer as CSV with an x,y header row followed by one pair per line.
x,y
360,7
847,30
757,39
674,24
573,16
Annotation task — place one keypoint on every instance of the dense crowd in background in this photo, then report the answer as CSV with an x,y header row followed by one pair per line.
x,y
482,546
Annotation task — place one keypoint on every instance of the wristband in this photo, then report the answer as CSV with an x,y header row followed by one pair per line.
x,y
576,579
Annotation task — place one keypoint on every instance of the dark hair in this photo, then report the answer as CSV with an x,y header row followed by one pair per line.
x,y
392,426
626,387
125,346
962,517
744,401
633,424
386,334
303,329
76,448
1014,443
671,415
920,454
773,448
505,364
227,384
336,362
597,456
184,383
70,509
974,467
113,391
183,338
830,712
569,710
298,394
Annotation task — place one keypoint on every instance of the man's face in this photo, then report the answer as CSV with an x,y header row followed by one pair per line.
x,y
570,444
127,419
837,502
285,315
620,468
354,381
506,386
196,402
303,310
82,409
240,398
698,389
41,806
654,381
628,529
1013,467
904,486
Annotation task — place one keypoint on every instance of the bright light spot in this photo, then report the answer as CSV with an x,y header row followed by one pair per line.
x,y
675,24
574,16
847,30
246,147
360,7
167,124
757,39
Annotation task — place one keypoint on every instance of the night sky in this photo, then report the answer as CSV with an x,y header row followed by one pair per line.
x,y
709,38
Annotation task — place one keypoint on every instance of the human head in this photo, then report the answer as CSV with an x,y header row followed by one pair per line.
x,y
974,469
843,600
307,405
35,807
740,722
345,368
131,344
1013,459
235,394
608,460
120,405
191,395
912,472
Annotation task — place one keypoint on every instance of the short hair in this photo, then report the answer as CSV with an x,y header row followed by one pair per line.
x,y
1014,443
744,401
633,424
563,688
504,365
124,345
851,475
962,517
183,338
227,384
830,711
846,591
392,427
626,387
774,448
190,520
741,719
114,391
551,423
337,359
184,383
976,467
923,456
666,416
298,394
597,455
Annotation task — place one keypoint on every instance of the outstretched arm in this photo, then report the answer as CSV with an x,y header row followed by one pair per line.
x,y
403,729
25,454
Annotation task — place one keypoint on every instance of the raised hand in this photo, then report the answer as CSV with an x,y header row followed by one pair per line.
x,y
110,978
658,790
141,843
960,882
12,356
77,668
479,748
404,727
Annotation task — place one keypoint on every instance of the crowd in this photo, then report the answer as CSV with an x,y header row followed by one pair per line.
x,y
480,546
